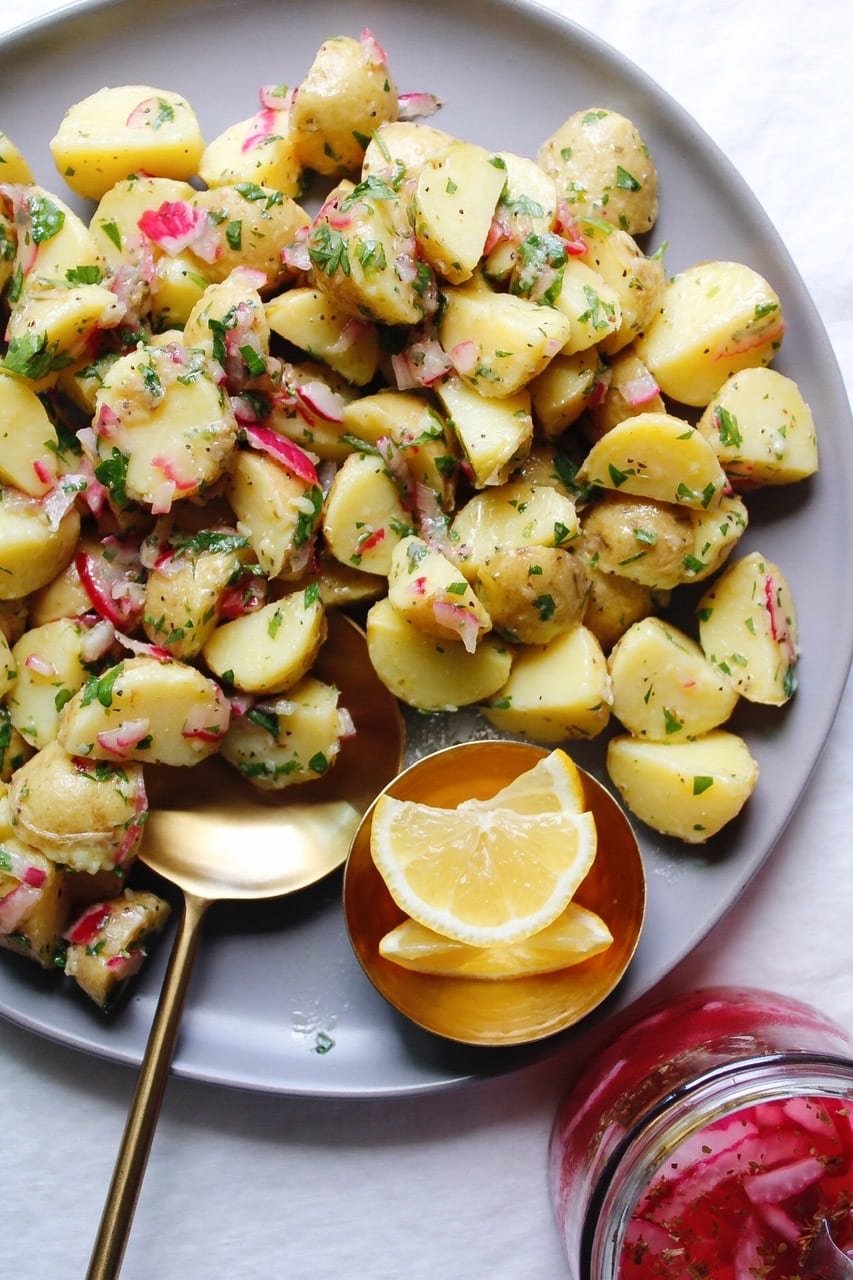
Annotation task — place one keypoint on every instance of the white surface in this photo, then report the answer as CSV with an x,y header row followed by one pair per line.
x,y
453,1184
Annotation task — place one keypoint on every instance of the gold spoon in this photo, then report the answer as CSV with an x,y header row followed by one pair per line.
x,y
505,1011
217,838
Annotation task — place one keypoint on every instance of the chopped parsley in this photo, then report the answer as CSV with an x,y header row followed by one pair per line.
x,y
328,251
46,218
100,688
32,356
112,474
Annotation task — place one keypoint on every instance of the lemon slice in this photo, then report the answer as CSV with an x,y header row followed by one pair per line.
x,y
576,935
485,876
552,785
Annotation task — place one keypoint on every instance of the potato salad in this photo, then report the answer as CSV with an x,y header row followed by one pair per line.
x,y
338,358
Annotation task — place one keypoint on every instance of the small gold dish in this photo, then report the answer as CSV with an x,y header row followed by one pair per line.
x,y
505,1011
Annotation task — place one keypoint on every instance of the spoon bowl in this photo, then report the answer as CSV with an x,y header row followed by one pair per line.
x,y
507,1011
215,837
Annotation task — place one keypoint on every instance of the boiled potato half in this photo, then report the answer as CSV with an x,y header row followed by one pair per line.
x,y
748,628
656,455
269,650
164,712
761,429
689,790
664,688
714,319
431,674
555,692
126,129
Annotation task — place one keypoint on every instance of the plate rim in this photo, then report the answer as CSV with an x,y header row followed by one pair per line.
x,y
678,118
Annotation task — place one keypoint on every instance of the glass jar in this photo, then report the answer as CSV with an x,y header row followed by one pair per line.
x,y
661,1154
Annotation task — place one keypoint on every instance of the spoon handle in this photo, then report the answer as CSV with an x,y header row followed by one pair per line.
x,y
135,1146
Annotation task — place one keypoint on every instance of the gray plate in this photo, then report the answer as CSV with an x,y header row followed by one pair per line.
x,y
276,984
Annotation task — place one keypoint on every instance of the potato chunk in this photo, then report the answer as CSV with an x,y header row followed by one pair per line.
x,y
714,319
275,507
555,692
12,161
108,943
589,304
245,225
399,149
533,594
566,387
365,516
614,602
346,95
429,590
761,429
33,550
748,628
164,426
261,149
430,674
311,320
526,212
664,688
637,280
53,241
689,790
86,816
148,710
511,516
28,440
655,455
363,255
59,326
268,650
494,434
34,901
639,538
125,129
184,593
629,389
500,342
426,443
50,669
290,740
603,167
454,202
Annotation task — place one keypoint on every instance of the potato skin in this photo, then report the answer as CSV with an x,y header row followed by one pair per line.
x,y
532,594
615,602
603,167
640,539
344,98
87,816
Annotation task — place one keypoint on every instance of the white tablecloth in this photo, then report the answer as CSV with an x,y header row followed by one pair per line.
x,y
453,1184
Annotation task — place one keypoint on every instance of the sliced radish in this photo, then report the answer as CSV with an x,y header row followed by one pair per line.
x,y
284,451
459,621
125,737
320,400
113,587
264,124
207,727
16,904
86,927
412,106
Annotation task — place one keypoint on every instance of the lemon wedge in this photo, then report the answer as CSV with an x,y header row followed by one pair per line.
x,y
553,785
576,935
481,875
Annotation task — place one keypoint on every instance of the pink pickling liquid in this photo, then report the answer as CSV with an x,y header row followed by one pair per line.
x,y
706,1142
